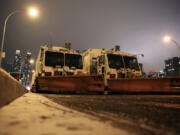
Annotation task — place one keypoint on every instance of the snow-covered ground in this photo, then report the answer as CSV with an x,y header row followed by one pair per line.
x,y
33,114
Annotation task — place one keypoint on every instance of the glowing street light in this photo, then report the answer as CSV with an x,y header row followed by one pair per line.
x,y
32,12
31,61
168,39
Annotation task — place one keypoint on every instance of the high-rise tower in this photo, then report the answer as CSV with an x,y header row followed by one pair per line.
x,y
26,68
17,62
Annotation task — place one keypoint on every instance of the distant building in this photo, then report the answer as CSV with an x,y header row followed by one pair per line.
x,y
172,67
7,66
161,73
153,73
17,62
26,69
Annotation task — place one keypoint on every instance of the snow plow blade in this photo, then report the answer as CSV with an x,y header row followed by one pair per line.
x,y
70,84
160,85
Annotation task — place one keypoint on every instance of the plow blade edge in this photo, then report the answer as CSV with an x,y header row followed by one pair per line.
x,y
166,84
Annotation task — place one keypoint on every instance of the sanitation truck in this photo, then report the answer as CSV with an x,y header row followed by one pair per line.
x,y
58,61
111,63
60,69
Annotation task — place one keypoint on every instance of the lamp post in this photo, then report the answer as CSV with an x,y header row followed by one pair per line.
x,y
167,39
32,12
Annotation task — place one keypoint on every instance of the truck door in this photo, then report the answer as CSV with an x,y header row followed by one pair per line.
x,y
101,64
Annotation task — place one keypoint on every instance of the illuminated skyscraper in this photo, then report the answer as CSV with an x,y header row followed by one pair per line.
x,y
26,68
17,62
172,67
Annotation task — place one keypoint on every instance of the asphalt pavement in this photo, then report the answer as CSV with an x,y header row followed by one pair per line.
x,y
138,114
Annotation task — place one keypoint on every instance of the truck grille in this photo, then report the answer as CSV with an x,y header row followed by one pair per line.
x,y
57,73
70,73
48,73
112,76
121,75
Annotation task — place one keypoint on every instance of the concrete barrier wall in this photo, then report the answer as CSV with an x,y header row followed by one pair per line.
x,y
10,88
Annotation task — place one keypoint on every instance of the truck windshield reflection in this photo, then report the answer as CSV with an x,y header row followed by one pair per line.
x,y
54,59
73,60
131,62
115,61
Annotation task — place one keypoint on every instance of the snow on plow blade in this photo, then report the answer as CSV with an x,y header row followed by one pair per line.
x,y
166,84
70,83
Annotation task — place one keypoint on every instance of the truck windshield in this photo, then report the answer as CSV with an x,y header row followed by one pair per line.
x,y
131,62
73,60
54,59
115,61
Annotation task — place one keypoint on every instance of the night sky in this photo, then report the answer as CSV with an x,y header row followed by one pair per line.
x,y
136,25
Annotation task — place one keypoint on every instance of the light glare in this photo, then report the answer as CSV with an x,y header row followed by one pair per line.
x,y
31,61
167,39
33,12
28,88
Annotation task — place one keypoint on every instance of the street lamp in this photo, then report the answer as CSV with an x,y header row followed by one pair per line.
x,y
31,61
168,39
32,12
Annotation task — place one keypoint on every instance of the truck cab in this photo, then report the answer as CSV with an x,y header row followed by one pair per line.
x,y
112,64
58,61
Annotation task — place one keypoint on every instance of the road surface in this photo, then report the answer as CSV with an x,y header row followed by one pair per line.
x,y
33,114
138,114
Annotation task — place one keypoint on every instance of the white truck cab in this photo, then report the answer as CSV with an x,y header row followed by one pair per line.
x,y
111,64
